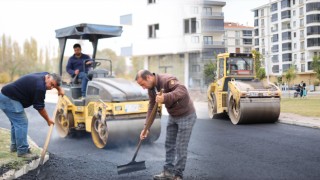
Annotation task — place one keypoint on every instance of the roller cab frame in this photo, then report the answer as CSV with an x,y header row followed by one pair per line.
x,y
237,93
114,109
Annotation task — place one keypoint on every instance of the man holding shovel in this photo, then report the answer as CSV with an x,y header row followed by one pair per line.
x,y
24,92
182,117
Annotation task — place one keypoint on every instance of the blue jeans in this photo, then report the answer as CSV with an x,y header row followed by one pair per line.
x,y
84,81
19,123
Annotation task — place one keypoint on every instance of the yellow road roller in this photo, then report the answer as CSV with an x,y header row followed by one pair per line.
x,y
237,93
114,109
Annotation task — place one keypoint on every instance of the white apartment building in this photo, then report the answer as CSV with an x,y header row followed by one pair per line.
x,y
175,36
287,32
238,38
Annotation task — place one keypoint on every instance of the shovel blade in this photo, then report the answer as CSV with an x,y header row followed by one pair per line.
x,y
131,167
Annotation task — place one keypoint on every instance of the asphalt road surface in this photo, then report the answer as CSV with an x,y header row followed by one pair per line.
x,y
217,150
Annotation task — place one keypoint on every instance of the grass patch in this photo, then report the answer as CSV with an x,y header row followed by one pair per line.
x,y
10,160
305,106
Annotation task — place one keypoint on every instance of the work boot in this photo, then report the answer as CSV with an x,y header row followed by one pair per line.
x,y
13,149
28,155
164,175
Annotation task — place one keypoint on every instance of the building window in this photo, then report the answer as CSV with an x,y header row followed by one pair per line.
x,y
313,18
262,12
207,11
247,41
313,42
237,42
285,67
274,7
195,68
275,58
247,33
256,42
151,1
195,39
295,57
302,56
190,25
207,40
313,30
303,68
295,45
313,6
293,13
256,32
301,23
301,11
310,66
256,13
285,14
302,45
153,30
286,35
209,25
194,10
274,17
285,3
275,68
286,57
286,46
275,48
247,50
256,22
275,38
301,33
237,34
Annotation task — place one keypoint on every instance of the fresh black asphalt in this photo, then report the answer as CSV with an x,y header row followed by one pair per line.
x,y
217,150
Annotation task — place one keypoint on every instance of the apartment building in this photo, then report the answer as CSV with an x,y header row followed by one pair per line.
x,y
238,38
287,32
177,37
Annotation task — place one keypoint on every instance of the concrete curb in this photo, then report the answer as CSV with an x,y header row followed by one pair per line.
x,y
13,174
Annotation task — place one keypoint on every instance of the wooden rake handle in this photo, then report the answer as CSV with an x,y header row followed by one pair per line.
x,y
46,144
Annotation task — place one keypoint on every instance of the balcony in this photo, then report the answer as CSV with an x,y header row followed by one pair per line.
x,y
213,14
213,44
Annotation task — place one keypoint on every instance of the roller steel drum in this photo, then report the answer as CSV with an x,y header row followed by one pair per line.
x,y
121,131
254,110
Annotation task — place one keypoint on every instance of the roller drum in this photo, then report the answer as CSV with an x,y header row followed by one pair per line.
x,y
254,110
121,131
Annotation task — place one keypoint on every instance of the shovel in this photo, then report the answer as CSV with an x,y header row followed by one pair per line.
x,y
133,165
45,147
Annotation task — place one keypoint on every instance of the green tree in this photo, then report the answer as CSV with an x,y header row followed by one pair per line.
x,y
316,65
209,72
290,75
118,62
260,71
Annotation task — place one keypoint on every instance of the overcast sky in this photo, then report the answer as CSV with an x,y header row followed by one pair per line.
x,y
22,19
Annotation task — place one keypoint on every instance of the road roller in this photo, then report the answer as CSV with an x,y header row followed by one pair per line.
x,y
238,94
114,109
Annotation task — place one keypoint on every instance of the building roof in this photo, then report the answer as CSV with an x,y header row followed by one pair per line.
x,y
232,25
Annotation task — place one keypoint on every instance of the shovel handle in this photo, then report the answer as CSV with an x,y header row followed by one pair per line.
x,y
148,125
136,153
46,145
152,115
